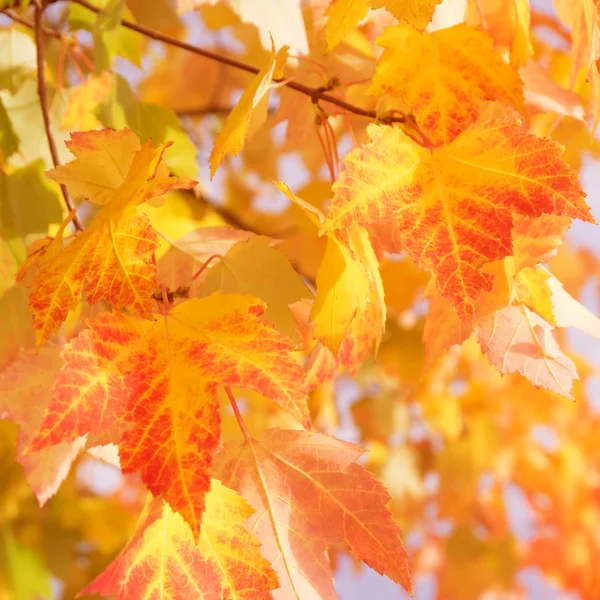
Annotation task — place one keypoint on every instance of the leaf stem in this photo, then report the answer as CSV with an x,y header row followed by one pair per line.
x,y
203,267
43,95
238,416
315,93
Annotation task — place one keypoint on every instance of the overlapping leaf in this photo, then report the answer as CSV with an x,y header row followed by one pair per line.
x,y
162,559
344,15
349,301
465,68
24,396
518,340
112,258
452,208
255,267
156,383
309,495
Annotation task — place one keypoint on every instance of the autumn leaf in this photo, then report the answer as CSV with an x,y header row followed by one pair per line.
x,y
84,100
155,383
24,396
530,287
102,162
180,263
467,70
348,286
162,559
344,15
250,111
309,495
581,16
517,340
255,267
536,240
508,22
112,258
452,208
543,93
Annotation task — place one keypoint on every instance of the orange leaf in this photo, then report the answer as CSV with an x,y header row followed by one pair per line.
x,y
309,495
452,208
24,396
517,340
466,69
162,560
114,255
536,240
156,382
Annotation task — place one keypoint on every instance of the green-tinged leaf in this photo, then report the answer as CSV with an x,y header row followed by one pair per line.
x,y
9,142
150,122
42,207
110,39
17,59
254,267
25,114
25,573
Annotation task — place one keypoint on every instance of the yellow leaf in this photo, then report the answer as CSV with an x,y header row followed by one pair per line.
x,y
344,15
84,100
249,113
102,162
255,267
466,70
162,559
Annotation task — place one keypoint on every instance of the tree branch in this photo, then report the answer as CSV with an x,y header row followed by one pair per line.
x,y
43,94
17,19
316,94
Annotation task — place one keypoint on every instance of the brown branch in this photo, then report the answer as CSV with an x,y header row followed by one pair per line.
x,y
17,19
43,94
316,94
210,109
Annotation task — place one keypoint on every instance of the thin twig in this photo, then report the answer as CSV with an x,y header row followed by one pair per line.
x,y
43,94
211,109
315,94
17,19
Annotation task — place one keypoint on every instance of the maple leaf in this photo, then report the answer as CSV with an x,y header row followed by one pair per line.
x,y
112,258
162,559
452,208
543,93
309,495
348,287
516,339
250,111
102,162
255,267
24,396
535,240
344,15
467,71
84,100
508,22
178,266
530,287
156,381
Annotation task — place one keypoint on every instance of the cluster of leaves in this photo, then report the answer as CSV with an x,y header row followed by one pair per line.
x,y
207,349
